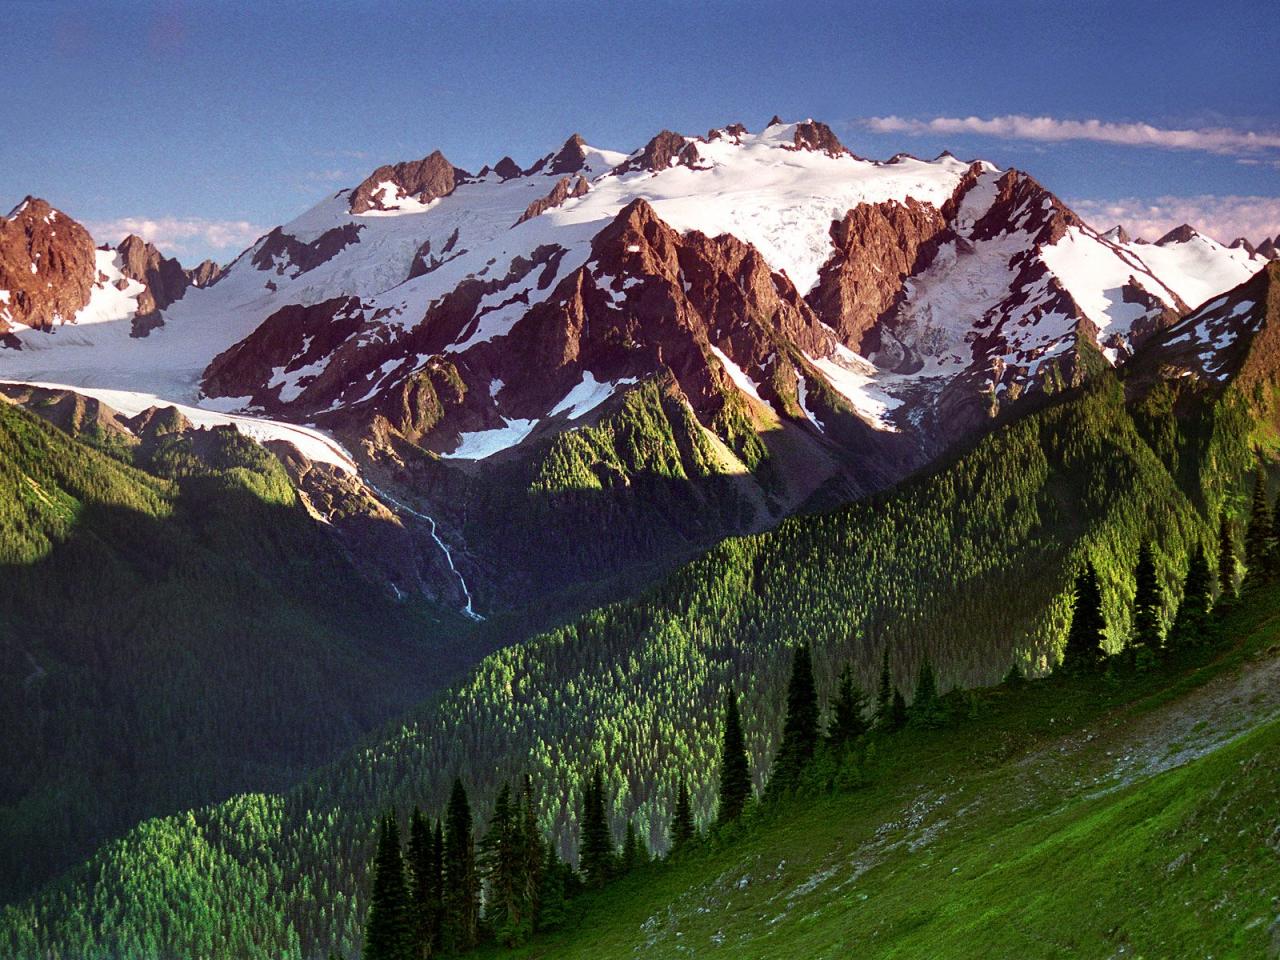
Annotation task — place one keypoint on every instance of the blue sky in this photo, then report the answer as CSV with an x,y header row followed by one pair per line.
x,y
203,124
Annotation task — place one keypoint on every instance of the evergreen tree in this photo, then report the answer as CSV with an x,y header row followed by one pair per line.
x,y
683,831
531,858
1083,651
1227,563
596,849
1258,539
926,707
551,889
1191,625
1148,600
884,693
635,852
437,901
848,709
424,885
799,729
501,857
735,774
388,933
897,712
461,921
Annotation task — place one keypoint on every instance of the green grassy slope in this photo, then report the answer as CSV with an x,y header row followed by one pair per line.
x,y
1067,819
967,566
170,637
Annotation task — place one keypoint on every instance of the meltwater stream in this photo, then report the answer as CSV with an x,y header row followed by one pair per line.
x,y
467,609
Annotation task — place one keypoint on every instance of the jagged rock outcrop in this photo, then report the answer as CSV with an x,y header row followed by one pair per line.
x,y
47,267
877,247
818,137
507,169
422,180
570,158
283,253
665,150
164,278
566,188
1179,234
205,274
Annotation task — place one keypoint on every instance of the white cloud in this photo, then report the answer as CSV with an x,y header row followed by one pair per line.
x,y
1221,140
179,235
1222,217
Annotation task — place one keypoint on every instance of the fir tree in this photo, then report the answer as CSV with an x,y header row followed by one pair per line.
x,y
1191,624
1227,563
388,933
926,707
800,728
596,849
501,857
532,856
1258,539
461,921
424,885
1083,651
551,889
848,709
897,712
1148,600
735,774
683,831
884,693
635,853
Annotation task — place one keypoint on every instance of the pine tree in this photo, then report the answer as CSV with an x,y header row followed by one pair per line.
x,y
1083,651
551,890
1227,563
1191,624
683,831
596,849
437,901
424,885
897,712
884,693
926,709
532,856
635,852
461,920
1148,600
848,709
501,856
388,933
1258,539
735,774
800,729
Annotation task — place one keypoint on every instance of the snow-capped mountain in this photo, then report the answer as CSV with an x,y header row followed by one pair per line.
x,y
757,320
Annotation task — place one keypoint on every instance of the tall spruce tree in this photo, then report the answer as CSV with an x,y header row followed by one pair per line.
x,y
1258,539
848,708
501,858
1228,574
532,856
683,830
1191,624
388,932
799,729
635,852
1083,651
884,692
926,707
596,852
1148,600
424,885
461,921
897,712
735,773
551,890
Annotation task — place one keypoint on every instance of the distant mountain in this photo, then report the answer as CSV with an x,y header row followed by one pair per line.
x,y
615,359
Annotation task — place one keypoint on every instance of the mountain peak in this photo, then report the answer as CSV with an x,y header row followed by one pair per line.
x,y
1179,234
408,185
1117,234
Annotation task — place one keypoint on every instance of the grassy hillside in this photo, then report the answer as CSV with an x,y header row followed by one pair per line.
x,y
1066,818
967,566
172,635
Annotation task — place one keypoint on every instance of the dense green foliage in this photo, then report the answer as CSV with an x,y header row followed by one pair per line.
x,y
967,568
735,768
172,635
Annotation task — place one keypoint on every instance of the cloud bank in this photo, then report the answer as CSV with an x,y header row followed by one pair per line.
x,y
179,235
1222,217
1219,140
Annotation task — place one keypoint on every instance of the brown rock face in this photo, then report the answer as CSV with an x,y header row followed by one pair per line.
x,y
280,251
46,266
1270,248
507,169
570,158
1179,234
818,137
665,150
424,180
206,274
1023,203
164,278
877,247
566,188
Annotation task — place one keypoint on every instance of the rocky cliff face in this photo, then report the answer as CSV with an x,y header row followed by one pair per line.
x,y
47,267
420,181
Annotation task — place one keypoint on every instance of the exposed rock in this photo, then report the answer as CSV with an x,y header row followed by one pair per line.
x,y
507,169
665,150
1117,234
424,261
566,188
206,274
570,158
1242,243
164,278
1022,203
423,180
818,137
1270,248
877,247
280,251
1180,234
47,267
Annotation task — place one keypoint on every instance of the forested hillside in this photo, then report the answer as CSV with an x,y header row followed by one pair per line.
x,y
173,634
968,567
